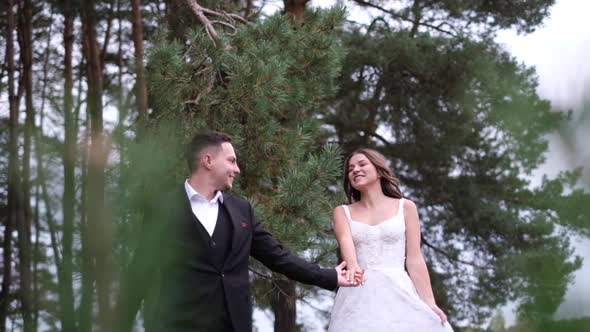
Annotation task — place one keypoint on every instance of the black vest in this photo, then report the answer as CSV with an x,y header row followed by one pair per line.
x,y
217,319
220,241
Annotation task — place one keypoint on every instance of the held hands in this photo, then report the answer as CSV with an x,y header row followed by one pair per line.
x,y
355,274
351,277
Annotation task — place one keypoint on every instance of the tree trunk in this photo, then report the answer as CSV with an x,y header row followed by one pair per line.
x,y
49,215
296,8
100,242
69,161
284,302
248,10
140,83
38,148
2,71
416,17
122,105
86,298
284,306
13,183
36,256
24,228
87,270
107,35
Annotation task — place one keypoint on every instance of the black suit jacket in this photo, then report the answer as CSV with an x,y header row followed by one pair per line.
x,y
188,290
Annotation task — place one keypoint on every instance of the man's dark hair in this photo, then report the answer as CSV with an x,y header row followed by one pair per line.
x,y
202,141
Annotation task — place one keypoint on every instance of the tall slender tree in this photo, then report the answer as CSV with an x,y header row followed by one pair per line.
x,y
262,85
24,228
13,174
140,83
85,308
38,252
69,185
460,121
97,222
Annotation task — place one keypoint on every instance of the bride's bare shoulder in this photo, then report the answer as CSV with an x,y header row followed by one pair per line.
x,y
409,206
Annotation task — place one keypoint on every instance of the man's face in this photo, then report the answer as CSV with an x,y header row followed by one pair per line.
x,y
224,167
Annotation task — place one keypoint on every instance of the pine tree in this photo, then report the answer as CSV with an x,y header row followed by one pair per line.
x,y
262,84
463,126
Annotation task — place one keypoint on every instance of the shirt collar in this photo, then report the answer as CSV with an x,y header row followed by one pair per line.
x,y
194,195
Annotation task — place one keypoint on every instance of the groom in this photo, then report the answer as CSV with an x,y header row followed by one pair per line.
x,y
194,250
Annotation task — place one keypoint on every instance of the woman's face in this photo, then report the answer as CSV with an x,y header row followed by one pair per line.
x,y
361,172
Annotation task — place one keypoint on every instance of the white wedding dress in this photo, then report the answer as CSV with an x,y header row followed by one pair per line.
x,y
388,300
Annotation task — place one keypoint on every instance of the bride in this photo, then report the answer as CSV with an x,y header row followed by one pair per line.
x,y
379,234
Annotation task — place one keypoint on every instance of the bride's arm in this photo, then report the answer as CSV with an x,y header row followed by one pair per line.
x,y
347,250
415,261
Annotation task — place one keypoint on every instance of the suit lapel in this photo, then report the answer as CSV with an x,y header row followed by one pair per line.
x,y
236,219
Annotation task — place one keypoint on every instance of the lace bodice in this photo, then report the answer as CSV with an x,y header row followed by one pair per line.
x,y
380,246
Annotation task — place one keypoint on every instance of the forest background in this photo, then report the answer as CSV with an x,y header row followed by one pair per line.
x,y
97,99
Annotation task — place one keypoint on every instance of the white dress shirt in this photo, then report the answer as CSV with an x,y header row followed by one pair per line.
x,y
205,210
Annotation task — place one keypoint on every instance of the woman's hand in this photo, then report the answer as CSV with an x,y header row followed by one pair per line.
x,y
355,275
439,313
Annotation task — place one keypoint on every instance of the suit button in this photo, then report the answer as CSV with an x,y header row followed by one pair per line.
x,y
222,275
213,244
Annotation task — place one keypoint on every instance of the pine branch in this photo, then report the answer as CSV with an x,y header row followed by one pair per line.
x,y
260,274
200,13
405,18
452,258
225,24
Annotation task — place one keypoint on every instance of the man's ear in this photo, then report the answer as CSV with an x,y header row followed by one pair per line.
x,y
207,161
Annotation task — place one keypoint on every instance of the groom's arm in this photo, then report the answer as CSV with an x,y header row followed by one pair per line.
x,y
266,249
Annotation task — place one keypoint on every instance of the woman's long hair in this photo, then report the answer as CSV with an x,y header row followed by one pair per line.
x,y
389,183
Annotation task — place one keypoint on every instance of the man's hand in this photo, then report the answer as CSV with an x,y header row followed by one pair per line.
x,y
344,280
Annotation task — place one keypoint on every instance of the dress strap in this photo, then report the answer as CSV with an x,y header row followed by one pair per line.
x,y
347,213
400,209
